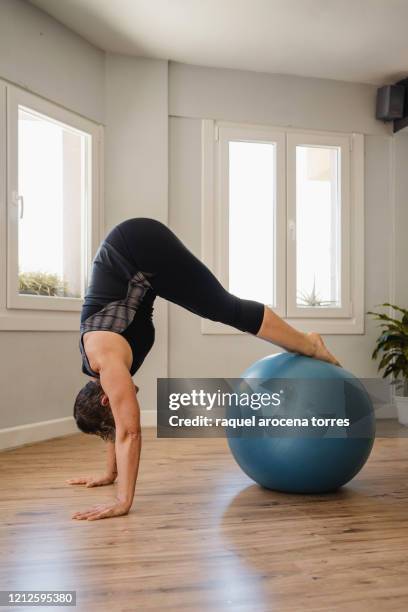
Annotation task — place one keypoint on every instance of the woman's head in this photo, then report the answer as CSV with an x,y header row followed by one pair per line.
x,y
92,412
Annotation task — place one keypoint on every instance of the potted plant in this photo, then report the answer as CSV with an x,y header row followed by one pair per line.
x,y
43,283
392,347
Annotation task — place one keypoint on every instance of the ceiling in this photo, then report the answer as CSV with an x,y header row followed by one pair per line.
x,y
350,40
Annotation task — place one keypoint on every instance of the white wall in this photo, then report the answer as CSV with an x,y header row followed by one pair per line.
x,y
237,95
196,93
40,371
401,218
44,56
136,158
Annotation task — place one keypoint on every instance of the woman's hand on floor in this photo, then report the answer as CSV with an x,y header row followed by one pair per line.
x,y
93,481
102,511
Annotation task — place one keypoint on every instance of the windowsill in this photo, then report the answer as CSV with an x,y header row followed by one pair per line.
x,y
13,320
29,320
354,325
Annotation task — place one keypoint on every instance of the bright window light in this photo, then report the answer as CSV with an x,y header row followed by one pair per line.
x,y
252,195
318,239
52,180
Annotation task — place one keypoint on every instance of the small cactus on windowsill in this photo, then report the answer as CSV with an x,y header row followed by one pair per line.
x,y
312,299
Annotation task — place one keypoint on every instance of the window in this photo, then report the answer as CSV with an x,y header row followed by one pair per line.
x,y
53,213
318,218
283,222
252,180
318,207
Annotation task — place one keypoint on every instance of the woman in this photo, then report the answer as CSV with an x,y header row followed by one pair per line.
x,y
139,259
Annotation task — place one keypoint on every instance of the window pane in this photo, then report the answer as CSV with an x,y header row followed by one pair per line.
x,y
52,181
318,226
252,187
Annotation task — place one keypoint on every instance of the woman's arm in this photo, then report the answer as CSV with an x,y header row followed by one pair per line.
x,y
107,478
118,386
111,468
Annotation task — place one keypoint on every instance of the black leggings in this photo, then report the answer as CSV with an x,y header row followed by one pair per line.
x,y
140,259
179,277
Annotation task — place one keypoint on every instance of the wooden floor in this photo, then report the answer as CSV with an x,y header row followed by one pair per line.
x,y
201,537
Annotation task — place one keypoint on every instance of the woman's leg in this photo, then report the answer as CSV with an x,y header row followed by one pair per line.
x,y
276,330
179,277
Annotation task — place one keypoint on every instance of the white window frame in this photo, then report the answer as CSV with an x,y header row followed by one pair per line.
x,y
342,142
225,135
347,319
40,312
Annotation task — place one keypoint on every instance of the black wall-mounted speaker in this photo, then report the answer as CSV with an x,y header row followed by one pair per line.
x,y
390,102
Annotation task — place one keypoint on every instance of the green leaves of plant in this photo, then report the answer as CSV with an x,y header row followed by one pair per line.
x,y
392,343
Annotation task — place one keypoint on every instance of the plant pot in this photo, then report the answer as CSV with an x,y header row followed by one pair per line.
x,y
402,409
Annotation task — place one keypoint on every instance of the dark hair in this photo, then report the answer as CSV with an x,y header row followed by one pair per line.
x,y
90,415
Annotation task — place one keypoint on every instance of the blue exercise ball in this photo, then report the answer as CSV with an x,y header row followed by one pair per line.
x,y
298,460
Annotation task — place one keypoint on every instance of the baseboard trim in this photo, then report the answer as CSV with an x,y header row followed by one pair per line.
x,y
148,418
19,435
12,437
385,411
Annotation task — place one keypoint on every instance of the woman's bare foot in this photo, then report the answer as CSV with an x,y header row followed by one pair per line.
x,y
319,349
274,329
